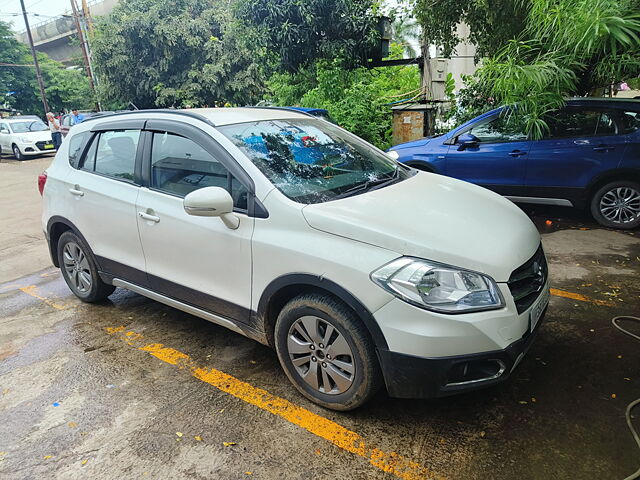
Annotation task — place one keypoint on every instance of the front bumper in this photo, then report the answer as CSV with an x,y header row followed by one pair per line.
x,y
409,376
36,148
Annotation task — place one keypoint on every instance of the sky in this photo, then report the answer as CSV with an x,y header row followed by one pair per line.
x,y
44,8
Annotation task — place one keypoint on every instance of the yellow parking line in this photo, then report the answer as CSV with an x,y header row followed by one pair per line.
x,y
31,290
338,435
580,298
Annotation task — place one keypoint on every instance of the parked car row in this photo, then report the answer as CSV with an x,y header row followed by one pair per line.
x,y
361,272
590,157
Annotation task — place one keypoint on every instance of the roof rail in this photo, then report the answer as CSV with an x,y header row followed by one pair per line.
x,y
269,107
185,113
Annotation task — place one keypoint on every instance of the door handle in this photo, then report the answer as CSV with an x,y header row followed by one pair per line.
x,y
516,153
76,191
149,217
603,148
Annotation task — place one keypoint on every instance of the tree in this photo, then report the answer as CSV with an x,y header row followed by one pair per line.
x,y
65,88
166,53
564,48
492,23
358,99
568,48
406,32
300,32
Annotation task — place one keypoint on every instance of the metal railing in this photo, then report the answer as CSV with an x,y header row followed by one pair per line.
x,y
67,13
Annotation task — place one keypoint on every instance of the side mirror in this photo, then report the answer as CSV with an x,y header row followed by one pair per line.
x,y
467,140
212,202
4,130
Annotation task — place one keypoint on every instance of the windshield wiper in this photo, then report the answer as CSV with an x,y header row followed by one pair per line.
x,y
370,185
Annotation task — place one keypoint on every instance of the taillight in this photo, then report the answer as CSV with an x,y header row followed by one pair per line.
x,y
42,179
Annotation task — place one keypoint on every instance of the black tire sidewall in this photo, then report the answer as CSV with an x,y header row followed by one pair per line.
x,y
96,282
595,205
19,156
362,386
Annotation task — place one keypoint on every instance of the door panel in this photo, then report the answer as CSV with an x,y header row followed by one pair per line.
x,y
189,256
197,260
4,138
630,124
580,145
499,159
103,204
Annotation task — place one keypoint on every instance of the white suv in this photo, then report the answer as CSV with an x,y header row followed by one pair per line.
x,y
25,136
358,270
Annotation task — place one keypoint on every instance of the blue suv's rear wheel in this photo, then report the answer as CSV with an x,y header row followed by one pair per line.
x,y
617,205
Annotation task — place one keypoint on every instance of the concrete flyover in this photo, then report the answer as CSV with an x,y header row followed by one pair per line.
x,y
53,36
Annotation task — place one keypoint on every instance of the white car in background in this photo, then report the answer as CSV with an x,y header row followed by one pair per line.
x,y
25,136
285,228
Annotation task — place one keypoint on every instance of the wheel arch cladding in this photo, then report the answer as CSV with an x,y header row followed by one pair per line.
x,y
56,226
284,288
620,174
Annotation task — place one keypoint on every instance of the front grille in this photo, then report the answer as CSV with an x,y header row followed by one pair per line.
x,y
41,145
526,282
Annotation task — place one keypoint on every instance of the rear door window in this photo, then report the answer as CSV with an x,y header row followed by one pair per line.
x,y
575,122
113,153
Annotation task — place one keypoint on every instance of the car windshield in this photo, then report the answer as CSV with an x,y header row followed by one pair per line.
x,y
313,161
28,126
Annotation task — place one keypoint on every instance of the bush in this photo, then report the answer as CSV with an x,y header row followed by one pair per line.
x,y
358,99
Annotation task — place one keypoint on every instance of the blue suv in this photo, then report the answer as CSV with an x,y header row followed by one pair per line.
x,y
589,157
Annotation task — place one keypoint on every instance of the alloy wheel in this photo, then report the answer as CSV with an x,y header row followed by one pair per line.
x,y
621,205
76,265
321,355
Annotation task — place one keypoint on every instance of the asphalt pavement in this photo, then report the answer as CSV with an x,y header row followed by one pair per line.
x,y
134,389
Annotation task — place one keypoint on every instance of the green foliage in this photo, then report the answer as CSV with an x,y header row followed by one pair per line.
x,y
355,98
64,88
299,32
174,53
492,22
566,48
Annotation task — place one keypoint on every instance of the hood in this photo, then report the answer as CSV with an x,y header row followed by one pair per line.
x,y
43,135
414,143
436,218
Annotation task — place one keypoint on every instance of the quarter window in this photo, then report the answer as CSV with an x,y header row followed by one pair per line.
x,y
180,166
630,122
113,153
75,148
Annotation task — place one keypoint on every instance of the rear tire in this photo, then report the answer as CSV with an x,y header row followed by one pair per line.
x,y
617,205
327,352
17,153
79,269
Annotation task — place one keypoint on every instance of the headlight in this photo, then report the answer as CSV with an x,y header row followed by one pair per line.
x,y
393,154
438,287
25,140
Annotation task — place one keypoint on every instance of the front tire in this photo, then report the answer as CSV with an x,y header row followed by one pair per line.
x,y
79,269
327,352
17,153
617,205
